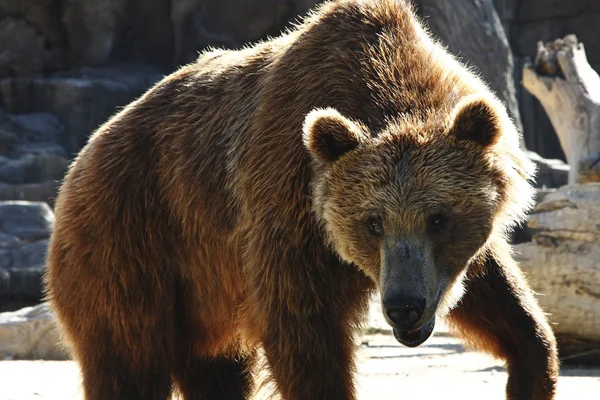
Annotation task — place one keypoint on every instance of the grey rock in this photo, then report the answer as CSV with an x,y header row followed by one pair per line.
x,y
24,231
31,161
31,334
65,34
31,137
551,173
34,192
10,133
14,171
473,30
5,279
37,149
149,34
29,255
535,10
81,99
8,140
7,242
40,127
546,20
22,48
92,28
27,282
30,37
32,168
26,220
5,258
584,26
40,14
229,23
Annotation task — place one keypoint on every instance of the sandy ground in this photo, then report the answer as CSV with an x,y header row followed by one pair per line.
x,y
386,370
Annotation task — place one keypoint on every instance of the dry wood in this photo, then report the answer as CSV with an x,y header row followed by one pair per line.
x,y
569,90
562,264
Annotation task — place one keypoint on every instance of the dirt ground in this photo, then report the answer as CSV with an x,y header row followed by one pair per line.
x,y
439,369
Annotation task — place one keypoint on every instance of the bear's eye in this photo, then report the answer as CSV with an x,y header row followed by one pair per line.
x,y
436,222
375,225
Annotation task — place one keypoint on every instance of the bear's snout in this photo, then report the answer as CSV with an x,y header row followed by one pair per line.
x,y
404,312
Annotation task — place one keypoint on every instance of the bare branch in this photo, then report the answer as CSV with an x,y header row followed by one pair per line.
x,y
569,91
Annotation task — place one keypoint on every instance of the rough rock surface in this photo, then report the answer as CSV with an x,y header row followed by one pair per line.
x,y
24,231
93,40
551,173
30,334
44,191
30,37
562,263
47,35
81,99
31,160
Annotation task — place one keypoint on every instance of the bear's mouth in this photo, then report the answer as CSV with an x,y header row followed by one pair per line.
x,y
415,337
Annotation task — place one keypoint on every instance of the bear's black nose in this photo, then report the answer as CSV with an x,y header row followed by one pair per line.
x,y
405,312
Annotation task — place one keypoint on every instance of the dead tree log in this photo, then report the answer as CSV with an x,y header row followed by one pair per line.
x,y
562,264
569,91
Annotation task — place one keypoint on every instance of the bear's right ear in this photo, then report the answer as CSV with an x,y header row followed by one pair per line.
x,y
328,135
475,119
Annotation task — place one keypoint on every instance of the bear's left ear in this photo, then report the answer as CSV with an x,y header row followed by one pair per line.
x,y
328,135
476,120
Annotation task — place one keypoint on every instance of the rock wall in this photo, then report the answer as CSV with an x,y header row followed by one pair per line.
x,y
42,36
24,231
31,159
67,65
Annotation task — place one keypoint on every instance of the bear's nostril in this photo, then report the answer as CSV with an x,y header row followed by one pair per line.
x,y
406,313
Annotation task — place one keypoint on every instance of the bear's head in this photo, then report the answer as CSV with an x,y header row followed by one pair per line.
x,y
413,204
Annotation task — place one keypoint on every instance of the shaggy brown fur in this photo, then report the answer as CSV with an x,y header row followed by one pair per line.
x,y
199,224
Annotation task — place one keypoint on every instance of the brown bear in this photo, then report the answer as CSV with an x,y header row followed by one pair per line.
x,y
251,202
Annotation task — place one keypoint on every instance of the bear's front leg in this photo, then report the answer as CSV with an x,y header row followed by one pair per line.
x,y
499,315
312,358
306,309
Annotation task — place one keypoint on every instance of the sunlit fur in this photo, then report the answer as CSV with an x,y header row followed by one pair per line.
x,y
197,230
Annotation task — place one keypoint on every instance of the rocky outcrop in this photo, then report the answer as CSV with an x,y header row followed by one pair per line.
x,y
30,334
30,37
41,38
24,231
45,36
80,99
551,173
79,61
48,35
31,160
562,264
